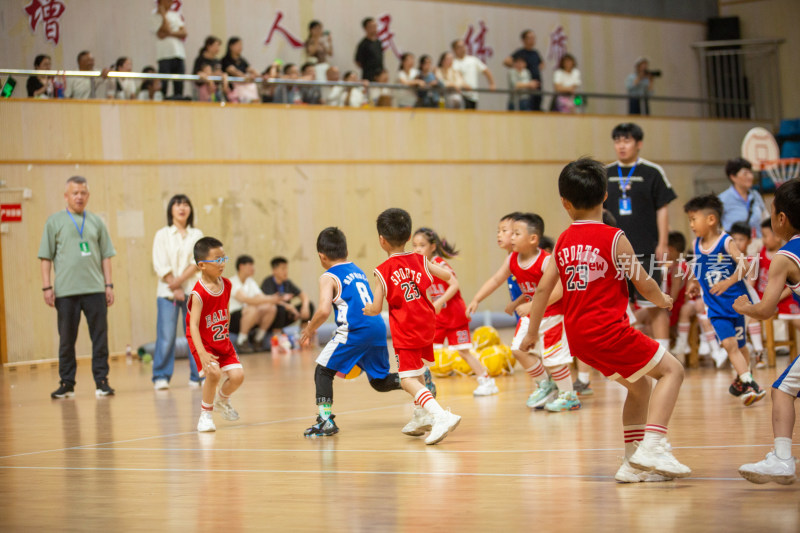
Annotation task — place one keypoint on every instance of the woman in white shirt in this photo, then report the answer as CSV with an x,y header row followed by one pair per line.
x,y
452,80
173,262
566,80
408,77
122,88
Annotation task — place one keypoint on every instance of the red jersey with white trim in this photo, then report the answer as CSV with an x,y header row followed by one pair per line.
x,y
528,277
595,300
454,313
787,306
406,280
214,319
678,269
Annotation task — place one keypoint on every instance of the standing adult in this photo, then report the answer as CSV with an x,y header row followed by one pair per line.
x,y
40,86
739,201
470,68
170,31
638,195
76,244
318,48
173,262
369,54
534,63
639,85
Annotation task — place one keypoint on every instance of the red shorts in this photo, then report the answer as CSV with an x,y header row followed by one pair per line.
x,y
629,354
411,361
226,361
788,309
457,339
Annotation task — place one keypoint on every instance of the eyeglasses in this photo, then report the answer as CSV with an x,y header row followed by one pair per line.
x,y
217,261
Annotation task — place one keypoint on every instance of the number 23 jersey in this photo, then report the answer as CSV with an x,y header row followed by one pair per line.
x,y
406,280
214,319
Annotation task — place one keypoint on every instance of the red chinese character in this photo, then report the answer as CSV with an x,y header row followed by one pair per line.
x,y
476,42
385,35
558,45
47,12
293,41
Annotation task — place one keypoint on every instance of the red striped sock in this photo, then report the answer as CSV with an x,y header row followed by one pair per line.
x,y
223,396
632,435
206,406
754,330
537,371
562,376
425,399
654,433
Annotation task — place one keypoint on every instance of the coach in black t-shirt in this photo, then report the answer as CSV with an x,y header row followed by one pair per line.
x,y
279,283
638,195
534,63
369,54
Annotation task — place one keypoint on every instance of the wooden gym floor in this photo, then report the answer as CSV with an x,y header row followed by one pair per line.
x,y
134,461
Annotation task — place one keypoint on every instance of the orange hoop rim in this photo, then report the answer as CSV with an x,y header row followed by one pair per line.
x,y
774,163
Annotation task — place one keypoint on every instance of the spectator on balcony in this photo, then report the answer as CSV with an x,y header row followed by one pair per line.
x,y
85,88
310,94
170,31
289,94
122,88
534,64
234,64
333,95
519,77
369,54
639,85
208,55
381,96
452,81
150,89
354,96
214,91
408,76
428,95
566,80
267,89
470,68
318,48
41,86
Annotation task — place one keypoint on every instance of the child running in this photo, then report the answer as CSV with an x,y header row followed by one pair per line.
x,y
591,262
784,272
527,263
208,320
718,270
452,322
405,278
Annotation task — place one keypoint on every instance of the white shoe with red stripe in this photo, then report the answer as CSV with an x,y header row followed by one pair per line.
x,y
419,424
443,424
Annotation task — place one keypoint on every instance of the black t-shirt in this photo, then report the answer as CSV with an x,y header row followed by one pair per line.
x,y
270,286
202,61
33,85
240,64
532,61
648,191
370,56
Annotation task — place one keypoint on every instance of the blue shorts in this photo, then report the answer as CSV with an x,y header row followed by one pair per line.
x,y
342,357
727,327
789,382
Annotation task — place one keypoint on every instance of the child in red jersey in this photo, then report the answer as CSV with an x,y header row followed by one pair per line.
x,y
788,308
208,320
452,322
404,280
527,262
591,261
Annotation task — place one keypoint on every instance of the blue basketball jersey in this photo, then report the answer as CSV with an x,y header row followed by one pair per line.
x,y
514,291
711,267
792,250
352,294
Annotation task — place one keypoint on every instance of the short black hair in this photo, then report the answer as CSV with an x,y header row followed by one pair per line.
x,y
394,225
787,201
628,129
313,24
366,21
609,219
766,223
583,183
510,216
705,202
534,222
39,59
332,242
204,246
741,228
277,261
81,54
546,243
733,166
286,67
676,240
244,260
180,199
305,66
524,33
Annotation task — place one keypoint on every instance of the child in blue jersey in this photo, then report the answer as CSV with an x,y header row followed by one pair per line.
x,y
718,269
784,275
358,340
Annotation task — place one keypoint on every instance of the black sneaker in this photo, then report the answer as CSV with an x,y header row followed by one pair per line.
x,y
323,428
64,390
753,393
104,389
429,384
738,387
583,389
245,347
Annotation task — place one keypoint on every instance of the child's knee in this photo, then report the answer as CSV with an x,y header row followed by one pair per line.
x,y
213,373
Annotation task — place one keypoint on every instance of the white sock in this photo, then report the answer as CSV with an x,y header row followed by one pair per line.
x,y
563,377
783,447
754,330
260,334
425,399
240,338
683,332
632,435
583,377
664,343
747,377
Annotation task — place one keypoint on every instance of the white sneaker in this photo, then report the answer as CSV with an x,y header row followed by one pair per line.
x,y
658,458
195,384
704,348
227,410
206,422
443,424
486,387
681,348
420,423
161,384
770,469
629,474
719,357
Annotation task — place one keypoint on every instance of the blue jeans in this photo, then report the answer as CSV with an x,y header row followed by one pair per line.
x,y
169,312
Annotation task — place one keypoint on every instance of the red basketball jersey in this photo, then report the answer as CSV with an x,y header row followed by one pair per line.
x,y
406,280
214,319
595,300
787,306
528,277
454,313
679,269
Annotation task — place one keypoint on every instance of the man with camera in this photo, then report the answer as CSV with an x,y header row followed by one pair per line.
x,y
640,86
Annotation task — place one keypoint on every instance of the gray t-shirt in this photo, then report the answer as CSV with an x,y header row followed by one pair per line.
x,y
77,261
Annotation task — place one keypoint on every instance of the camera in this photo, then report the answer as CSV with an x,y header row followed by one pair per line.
x,y
653,73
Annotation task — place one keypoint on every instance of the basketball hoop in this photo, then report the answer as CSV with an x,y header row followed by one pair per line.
x,y
781,170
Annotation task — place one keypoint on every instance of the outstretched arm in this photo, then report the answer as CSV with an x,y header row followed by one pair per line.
x,y
780,269
491,285
327,292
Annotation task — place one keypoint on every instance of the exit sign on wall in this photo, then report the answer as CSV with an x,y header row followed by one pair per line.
x,y
10,212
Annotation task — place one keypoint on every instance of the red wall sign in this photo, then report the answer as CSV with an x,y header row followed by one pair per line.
x,y
10,212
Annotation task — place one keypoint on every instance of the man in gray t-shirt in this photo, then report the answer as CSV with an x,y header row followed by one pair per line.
x,y
76,244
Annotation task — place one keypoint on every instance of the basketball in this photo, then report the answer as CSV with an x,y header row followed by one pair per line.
x,y
484,337
460,366
443,360
496,359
